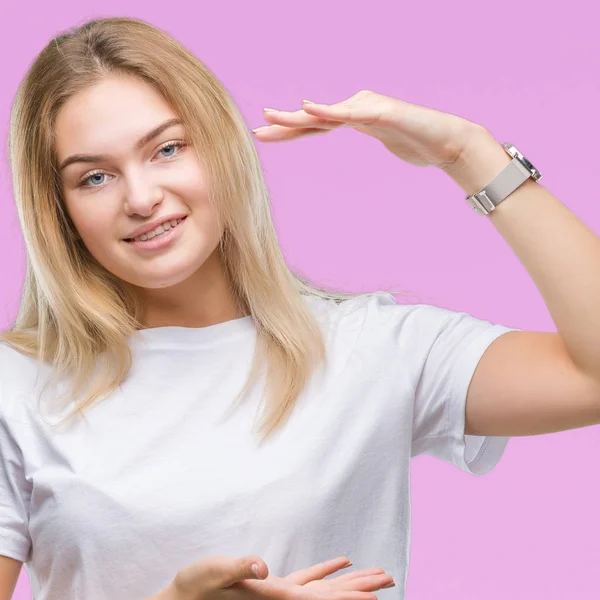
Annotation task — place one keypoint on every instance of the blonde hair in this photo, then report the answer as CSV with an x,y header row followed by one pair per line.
x,y
74,314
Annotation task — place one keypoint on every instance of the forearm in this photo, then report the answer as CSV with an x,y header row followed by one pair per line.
x,y
560,253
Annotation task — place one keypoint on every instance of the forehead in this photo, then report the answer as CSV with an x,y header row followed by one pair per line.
x,y
109,117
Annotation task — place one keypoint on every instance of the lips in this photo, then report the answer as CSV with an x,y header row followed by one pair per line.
x,y
151,226
159,242
132,239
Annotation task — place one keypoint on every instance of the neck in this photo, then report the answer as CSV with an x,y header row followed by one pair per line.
x,y
203,299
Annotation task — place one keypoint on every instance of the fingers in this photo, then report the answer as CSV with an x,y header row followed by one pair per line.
x,y
353,110
361,573
231,570
359,596
272,588
366,580
318,571
299,118
292,125
279,133
367,583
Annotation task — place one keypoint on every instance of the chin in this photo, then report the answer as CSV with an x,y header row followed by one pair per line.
x,y
164,271
155,281
166,276
154,284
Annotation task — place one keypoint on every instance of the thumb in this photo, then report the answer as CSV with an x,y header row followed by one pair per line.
x,y
247,567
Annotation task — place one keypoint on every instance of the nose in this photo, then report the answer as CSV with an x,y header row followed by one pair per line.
x,y
142,198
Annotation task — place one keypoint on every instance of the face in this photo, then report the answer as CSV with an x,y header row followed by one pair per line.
x,y
134,186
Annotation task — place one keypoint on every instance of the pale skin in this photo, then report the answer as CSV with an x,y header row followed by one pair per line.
x,y
527,382
131,186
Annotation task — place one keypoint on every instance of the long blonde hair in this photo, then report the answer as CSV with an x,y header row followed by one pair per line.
x,y
74,312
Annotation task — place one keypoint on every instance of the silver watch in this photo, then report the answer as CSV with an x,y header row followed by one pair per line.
x,y
505,183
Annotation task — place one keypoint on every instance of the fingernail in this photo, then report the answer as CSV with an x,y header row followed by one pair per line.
x,y
255,569
307,102
270,110
389,585
348,564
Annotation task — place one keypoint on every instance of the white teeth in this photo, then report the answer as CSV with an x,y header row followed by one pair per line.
x,y
160,229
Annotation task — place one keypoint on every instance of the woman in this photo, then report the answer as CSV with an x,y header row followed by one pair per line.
x,y
156,294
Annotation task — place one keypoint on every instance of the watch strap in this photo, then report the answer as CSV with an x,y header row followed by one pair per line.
x,y
506,182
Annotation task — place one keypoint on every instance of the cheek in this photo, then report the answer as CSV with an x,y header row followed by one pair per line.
x,y
96,227
192,191
189,184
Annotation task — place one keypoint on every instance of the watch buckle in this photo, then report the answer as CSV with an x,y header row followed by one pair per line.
x,y
481,203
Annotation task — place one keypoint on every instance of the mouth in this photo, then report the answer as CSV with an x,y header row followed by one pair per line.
x,y
162,230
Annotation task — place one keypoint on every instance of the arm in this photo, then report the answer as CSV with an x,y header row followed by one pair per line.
x,y
527,382
9,574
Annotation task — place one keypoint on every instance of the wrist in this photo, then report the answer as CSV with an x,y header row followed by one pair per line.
x,y
481,159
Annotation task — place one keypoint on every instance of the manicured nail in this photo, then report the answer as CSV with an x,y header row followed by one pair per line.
x,y
348,564
307,102
270,110
389,585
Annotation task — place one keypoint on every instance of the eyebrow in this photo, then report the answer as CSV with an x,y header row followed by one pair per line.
x,y
90,158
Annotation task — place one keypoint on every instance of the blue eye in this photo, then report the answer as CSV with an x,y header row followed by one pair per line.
x,y
175,144
169,146
83,181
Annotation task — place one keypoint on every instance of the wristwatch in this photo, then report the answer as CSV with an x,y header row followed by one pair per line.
x,y
505,183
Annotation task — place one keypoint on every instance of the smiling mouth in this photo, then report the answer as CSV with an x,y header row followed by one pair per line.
x,y
158,232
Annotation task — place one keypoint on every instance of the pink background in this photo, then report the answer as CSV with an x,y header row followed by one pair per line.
x,y
352,215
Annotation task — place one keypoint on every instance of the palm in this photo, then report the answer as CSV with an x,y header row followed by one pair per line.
x,y
308,584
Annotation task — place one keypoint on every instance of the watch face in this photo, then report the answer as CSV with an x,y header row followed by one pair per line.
x,y
535,174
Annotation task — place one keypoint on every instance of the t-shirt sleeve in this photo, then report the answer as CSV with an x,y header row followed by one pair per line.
x,y
15,494
449,346
440,349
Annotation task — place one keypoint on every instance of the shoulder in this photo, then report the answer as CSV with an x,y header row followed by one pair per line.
x,y
15,365
20,374
378,320
377,312
367,322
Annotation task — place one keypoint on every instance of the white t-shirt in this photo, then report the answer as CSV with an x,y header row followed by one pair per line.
x,y
111,507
